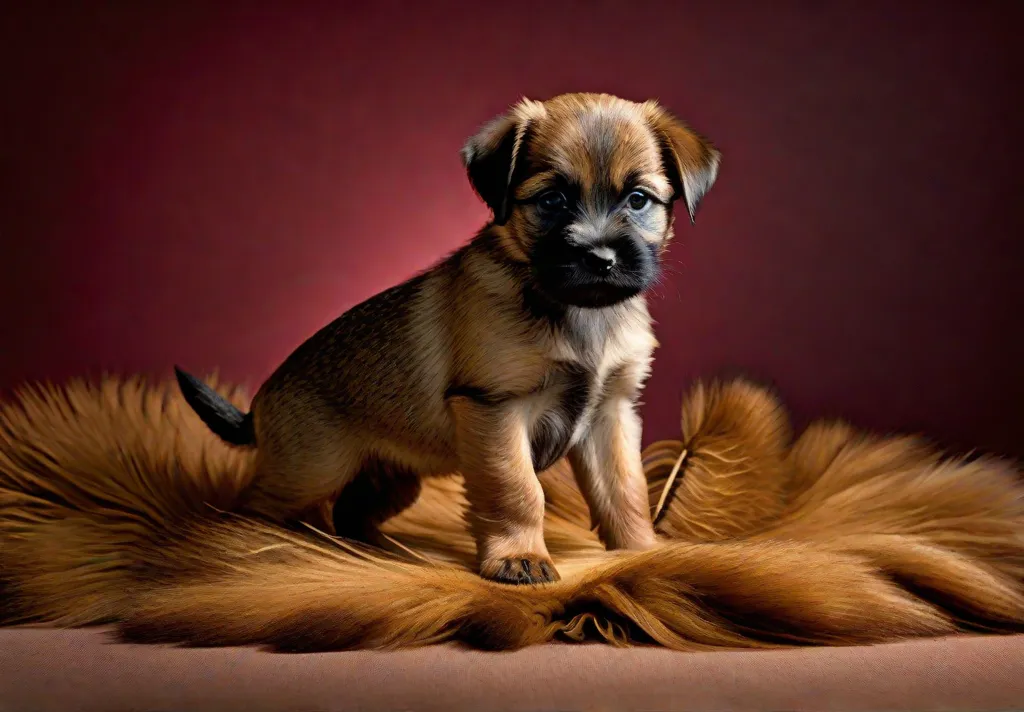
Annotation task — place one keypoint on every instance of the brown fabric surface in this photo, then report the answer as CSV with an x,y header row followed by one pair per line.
x,y
109,511
81,670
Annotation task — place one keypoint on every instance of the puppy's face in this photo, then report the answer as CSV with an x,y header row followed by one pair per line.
x,y
582,188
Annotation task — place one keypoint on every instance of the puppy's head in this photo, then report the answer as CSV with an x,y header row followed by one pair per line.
x,y
582,188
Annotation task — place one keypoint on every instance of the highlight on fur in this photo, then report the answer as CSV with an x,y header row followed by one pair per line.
x,y
116,507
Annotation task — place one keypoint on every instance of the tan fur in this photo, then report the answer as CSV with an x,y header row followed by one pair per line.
x,y
112,501
347,425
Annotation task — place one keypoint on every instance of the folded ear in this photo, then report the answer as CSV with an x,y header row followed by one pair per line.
x,y
690,160
491,158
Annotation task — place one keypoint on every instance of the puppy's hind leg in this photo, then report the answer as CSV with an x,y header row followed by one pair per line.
x,y
380,491
297,481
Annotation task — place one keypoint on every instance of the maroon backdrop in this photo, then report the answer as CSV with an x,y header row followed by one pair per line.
x,y
208,183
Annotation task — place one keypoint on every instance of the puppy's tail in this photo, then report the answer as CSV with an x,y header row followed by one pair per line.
x,y
225,420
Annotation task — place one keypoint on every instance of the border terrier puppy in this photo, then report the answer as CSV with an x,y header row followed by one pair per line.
x,y
529,344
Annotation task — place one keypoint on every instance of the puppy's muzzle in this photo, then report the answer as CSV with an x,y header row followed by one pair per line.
x,y
597,273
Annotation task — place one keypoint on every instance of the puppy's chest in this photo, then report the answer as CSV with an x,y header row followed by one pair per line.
x,y
584,372
562,410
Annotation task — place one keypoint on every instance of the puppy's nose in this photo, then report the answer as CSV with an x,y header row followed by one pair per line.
x,y
599,260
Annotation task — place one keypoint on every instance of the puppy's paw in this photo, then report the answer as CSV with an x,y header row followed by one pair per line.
x,y
522,569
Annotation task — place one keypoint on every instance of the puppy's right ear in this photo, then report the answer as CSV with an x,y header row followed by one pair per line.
x,y
491,157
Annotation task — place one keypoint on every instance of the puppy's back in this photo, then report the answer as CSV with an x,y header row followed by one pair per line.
x,y
376,367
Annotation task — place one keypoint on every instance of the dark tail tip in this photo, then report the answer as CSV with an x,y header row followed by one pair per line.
x,y
186,381
222,418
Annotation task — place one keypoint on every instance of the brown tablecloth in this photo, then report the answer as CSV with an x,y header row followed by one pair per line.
x,y
82,670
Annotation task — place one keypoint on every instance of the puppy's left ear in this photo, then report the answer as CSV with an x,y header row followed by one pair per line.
x,y
491,157
690,160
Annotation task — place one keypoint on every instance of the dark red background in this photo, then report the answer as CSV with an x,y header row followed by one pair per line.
x,y
208,183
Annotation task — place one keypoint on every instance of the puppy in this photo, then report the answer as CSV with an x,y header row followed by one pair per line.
x,y
529,344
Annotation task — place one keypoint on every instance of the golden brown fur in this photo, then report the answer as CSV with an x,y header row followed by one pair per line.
x,y
513,352
113,501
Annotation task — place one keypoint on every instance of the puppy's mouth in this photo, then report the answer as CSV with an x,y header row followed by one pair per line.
x,y
594,276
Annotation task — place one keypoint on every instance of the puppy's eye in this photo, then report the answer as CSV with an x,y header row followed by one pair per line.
x,y
551,201
638,200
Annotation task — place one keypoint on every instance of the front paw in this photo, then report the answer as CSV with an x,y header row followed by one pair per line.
x,y
523,569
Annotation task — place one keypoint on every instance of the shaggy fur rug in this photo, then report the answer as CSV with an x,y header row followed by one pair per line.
x,y
115,506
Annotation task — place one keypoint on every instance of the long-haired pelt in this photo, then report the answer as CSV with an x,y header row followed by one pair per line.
x,y
116,506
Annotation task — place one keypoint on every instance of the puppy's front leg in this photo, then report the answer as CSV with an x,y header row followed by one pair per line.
x,y
609,470
505,497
